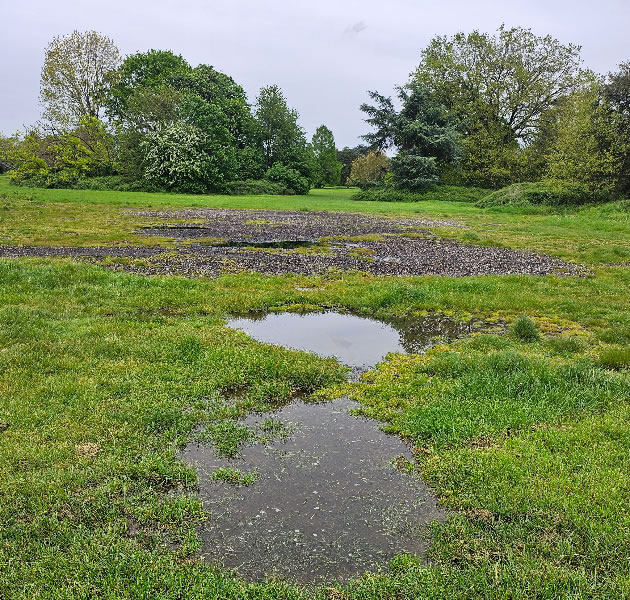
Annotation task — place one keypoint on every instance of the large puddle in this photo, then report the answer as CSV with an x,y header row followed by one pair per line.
x,y
354,341
328,501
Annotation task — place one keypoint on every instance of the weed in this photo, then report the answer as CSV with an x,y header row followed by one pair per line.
x,y
525,329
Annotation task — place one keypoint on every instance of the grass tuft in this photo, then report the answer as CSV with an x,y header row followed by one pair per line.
x,y
525,329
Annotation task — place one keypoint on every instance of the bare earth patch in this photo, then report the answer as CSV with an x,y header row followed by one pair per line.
x,y
215,241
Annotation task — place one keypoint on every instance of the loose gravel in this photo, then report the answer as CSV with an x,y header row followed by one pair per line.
x,y
342,241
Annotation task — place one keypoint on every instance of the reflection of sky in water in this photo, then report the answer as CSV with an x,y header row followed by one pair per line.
x,y
354,341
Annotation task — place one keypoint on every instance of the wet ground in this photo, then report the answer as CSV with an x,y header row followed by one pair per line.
x,y
329,500
209,242
354,341
328,503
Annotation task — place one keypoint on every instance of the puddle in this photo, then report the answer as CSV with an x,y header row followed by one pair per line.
x,y
355,341
284,244
327,503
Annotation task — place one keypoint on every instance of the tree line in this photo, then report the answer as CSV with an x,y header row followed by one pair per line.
x,y
484,110
152,121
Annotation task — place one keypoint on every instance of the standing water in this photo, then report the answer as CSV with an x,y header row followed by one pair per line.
x,y
328,502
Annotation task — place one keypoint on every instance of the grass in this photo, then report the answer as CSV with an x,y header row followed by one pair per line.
x,y
104,375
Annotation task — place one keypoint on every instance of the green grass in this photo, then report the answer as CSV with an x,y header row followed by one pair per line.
x,y
103,376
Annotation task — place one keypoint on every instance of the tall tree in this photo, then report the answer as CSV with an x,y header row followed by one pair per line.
x,y
140,73
346,156
617,94
498,86
328,168
280,136
75,77
422,131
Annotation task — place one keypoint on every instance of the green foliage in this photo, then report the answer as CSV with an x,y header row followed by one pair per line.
x,y
525,329
386,194
346,157
424,134
497,86
78,70
551,193
616,92
586,148
369,170
183,158
438,193
254,187
291,179
61,160
120,183
7,150
278,133
328,168
490,159
153,70
616,358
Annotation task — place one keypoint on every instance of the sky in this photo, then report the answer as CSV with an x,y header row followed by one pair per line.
x,y
325,55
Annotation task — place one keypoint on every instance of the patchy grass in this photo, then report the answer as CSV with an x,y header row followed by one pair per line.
x,y
103,376
234,476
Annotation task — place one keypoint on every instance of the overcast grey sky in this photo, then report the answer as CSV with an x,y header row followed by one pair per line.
x,y
325,55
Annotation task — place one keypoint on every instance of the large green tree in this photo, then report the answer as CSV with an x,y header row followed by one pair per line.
x,y
159,99
280,136
617,93
498,86
423,133
77,72
328,168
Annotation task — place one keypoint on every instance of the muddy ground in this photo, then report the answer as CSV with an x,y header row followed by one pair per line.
x,y
209,242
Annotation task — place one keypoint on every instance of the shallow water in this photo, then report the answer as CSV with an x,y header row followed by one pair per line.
x,y
328,503
355,341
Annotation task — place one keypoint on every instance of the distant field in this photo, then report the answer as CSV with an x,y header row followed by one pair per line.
x,y
104,375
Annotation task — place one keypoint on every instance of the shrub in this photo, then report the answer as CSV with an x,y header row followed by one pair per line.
x,y
290,178
450,193
254,186
115,183
525,329
369,170
551,193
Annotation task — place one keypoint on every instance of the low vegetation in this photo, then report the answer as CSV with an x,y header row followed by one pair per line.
x,y
523,435
451,193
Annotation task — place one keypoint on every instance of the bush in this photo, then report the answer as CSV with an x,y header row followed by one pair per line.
x,y
449,193
290,178
254,186
525,329
552,193
386,194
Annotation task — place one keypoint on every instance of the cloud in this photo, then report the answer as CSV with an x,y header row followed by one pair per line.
x,y
356,28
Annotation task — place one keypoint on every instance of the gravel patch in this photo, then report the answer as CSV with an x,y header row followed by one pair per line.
x,y
376,245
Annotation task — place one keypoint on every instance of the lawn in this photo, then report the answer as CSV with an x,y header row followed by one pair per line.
x,y
104,375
